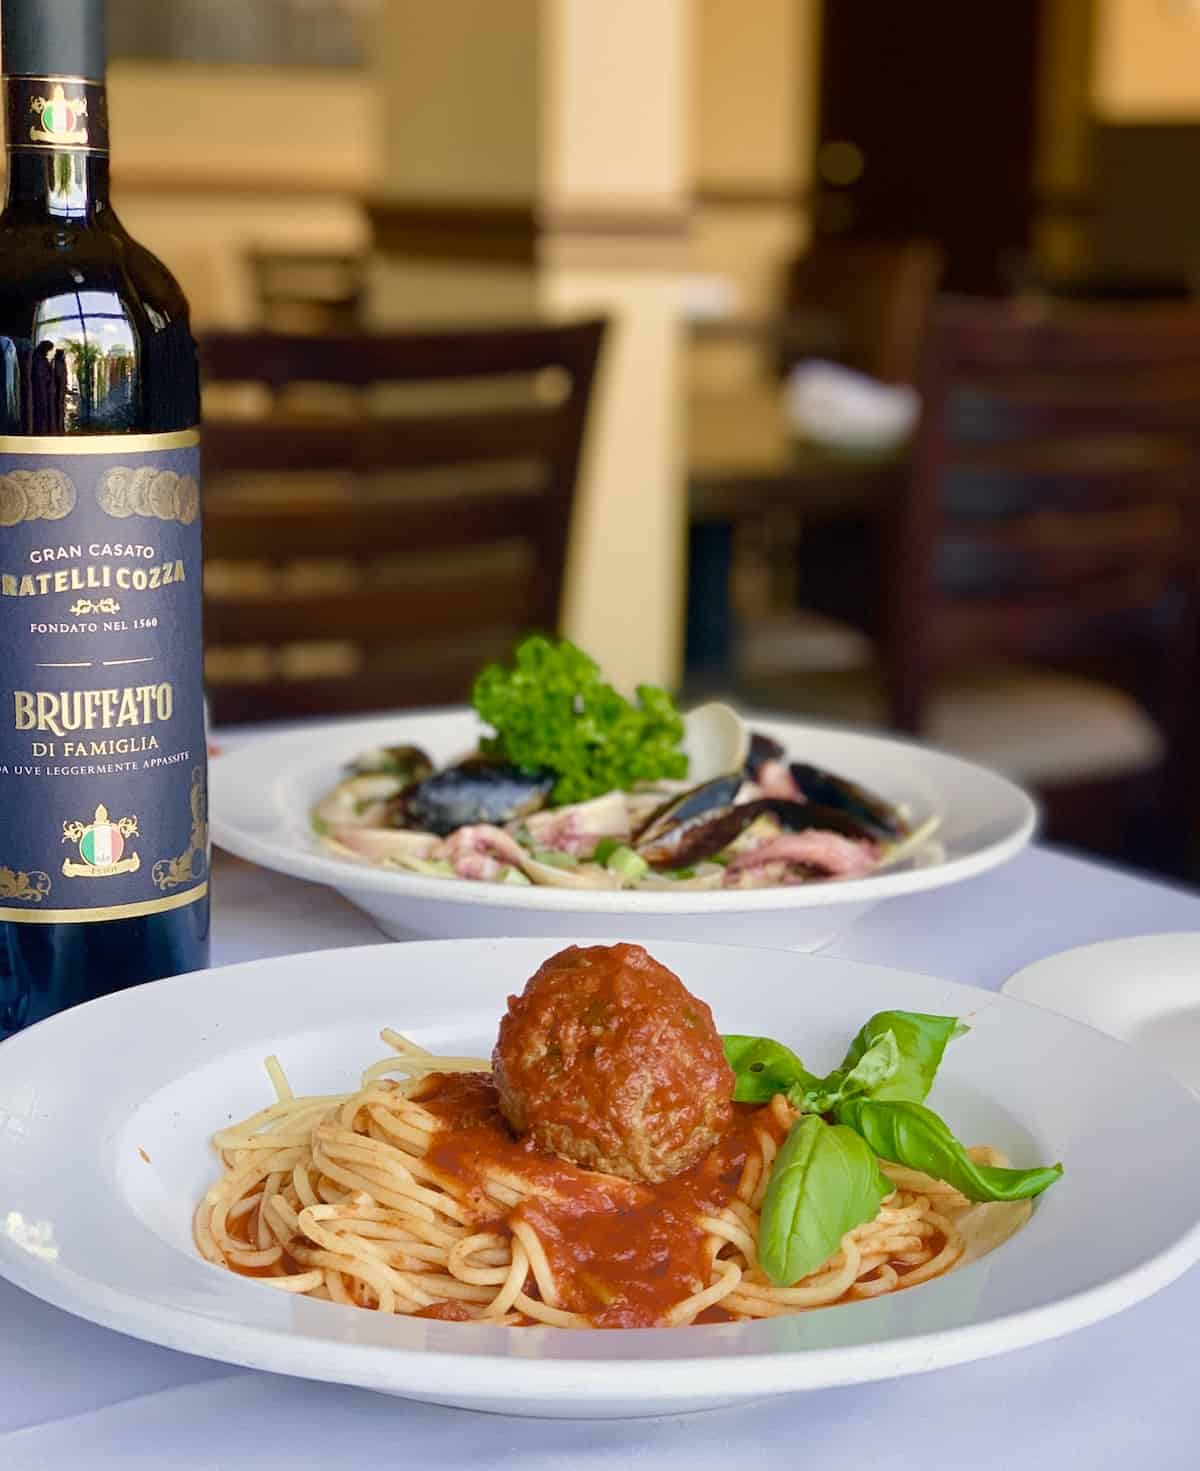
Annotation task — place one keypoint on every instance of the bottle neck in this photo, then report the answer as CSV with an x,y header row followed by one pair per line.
x,y
57,150
56,186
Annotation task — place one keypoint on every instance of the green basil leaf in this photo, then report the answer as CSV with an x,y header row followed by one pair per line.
x,y
763,1068
875,1067
913,1135
878,1065
824,1182
920,1039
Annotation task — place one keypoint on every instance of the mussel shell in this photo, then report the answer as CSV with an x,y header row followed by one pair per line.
x,y
762,750
689,843
472,791
828,790
688,807
798,817
715,741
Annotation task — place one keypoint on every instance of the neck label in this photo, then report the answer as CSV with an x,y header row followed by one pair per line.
x,y
56,114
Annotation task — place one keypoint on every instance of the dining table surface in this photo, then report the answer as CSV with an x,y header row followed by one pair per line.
x,y
745,457
747,466
75,1395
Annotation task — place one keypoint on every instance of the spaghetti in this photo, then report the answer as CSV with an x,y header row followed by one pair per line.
x,y
410,1196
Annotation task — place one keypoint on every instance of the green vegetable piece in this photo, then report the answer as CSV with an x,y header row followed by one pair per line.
x,y
605,849
824,1182
910,1134
627,863
762,1068
554,711
895,1055
878,1065
920,1041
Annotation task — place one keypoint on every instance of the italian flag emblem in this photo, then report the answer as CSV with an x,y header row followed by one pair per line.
x,y
101,844
61,119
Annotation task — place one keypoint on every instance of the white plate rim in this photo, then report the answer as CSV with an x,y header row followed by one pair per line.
x,y
420,1372
1046,982
1017,986
271,752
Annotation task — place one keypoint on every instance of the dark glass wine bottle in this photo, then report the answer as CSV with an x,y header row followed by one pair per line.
x,y
103,817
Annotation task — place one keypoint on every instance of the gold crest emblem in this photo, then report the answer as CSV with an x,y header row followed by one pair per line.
x,y
15,884
101,845
63,119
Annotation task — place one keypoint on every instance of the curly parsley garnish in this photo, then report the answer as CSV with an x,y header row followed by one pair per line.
x,y
553,711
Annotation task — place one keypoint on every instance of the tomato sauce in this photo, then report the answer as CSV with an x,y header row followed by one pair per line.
x,y
244,1230
622,1254
444,1312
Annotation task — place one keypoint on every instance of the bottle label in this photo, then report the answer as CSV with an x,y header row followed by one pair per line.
x,y
103,771
56,113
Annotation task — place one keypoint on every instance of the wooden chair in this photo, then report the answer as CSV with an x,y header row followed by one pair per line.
x,y
371,550
1038,578
880,292
307,292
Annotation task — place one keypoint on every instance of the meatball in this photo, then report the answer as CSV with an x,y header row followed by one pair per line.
x,y
607,1059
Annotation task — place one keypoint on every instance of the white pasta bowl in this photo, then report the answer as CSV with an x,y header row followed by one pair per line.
x,y
104,1153
263,792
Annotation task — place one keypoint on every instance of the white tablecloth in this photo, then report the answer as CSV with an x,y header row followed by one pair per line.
x,y
79,1397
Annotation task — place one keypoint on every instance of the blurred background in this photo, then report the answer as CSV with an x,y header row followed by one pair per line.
x,y
895,417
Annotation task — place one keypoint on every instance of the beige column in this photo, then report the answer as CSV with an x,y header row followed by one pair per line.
x,y
1147,61
753,119
535,162
754,116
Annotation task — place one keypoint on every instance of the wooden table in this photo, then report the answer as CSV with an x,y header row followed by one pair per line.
x,y
745,462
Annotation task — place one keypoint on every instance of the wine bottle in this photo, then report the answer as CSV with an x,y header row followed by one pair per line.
x,y
103,817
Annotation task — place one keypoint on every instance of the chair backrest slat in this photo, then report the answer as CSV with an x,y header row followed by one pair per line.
x,y
298,699
395,442
281,358
1056,483
1097,473
372,616
462,445
292,532
999,624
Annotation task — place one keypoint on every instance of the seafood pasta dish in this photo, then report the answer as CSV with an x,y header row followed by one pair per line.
x,y
580,788
616,1163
